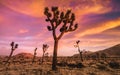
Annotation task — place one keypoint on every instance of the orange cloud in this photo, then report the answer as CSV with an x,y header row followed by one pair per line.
x,y
100,28
33,7
92,7
97,9
23,31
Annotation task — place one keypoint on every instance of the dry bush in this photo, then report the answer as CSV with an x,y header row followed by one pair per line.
x,y
62,64
114,65
101,66
92,73
80,65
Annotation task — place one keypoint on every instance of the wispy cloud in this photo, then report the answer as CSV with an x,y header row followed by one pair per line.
x,y
100,28
33,8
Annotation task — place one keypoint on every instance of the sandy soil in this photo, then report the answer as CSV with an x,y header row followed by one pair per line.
x,y
90,68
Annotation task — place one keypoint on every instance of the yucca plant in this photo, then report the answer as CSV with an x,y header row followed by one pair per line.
x,y
45,47
34,55
62,22
80,52
13,48
103,56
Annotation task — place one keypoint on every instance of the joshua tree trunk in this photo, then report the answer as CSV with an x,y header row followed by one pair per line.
x,y
55,55
33,60
80,54
45,47
14,46
9,57
43,57
34,56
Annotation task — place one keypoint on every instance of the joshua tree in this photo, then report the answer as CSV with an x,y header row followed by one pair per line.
x,y
80,52
98,56
45,47
60,23
84,54
46,56
103,56
34,55
13,47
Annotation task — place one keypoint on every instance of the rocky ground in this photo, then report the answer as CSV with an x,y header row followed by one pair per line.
x,y
87,68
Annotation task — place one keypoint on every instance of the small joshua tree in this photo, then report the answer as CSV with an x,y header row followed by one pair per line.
x,y
84,54
60,23
13,47
80,52
45,47
46,56
103,56
98,56
34,55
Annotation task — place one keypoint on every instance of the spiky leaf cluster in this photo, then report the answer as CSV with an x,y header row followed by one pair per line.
x,y
77,42
45,47
63,19
14,46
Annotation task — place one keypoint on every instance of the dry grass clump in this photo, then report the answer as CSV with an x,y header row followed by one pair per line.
x,y
114,64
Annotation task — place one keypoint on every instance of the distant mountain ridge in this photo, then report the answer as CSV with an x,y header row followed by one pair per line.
x,y
113,51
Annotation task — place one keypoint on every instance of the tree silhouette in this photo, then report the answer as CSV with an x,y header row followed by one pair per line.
x,y
45,47
84,54
98,56
13,47
61,21
80,52
103,56
46,54
34,55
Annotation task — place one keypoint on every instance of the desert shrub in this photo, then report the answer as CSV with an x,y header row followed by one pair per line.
x,y
114,64
91,73
101,66
62,64
75,65
80,65
71,65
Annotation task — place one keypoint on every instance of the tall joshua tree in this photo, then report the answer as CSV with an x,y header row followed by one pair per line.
x,y
34,55
45,47
62,22
80,52
13,47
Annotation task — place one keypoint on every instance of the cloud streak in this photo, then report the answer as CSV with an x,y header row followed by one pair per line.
x,y
100,28
34,8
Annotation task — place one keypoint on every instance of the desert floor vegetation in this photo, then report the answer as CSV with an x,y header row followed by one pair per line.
x,y
88,67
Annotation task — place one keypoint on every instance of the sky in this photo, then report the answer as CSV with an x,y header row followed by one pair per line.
x,y
23,21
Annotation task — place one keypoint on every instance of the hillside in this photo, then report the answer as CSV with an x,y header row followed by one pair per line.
x,y
88,53
25,55
113,51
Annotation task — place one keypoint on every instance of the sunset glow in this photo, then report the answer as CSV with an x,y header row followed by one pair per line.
x,y
23,22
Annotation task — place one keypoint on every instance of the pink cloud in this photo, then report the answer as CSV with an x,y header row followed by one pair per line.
x,y
34,8
23,31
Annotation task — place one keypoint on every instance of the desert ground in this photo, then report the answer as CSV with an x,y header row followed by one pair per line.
x,y
65,66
